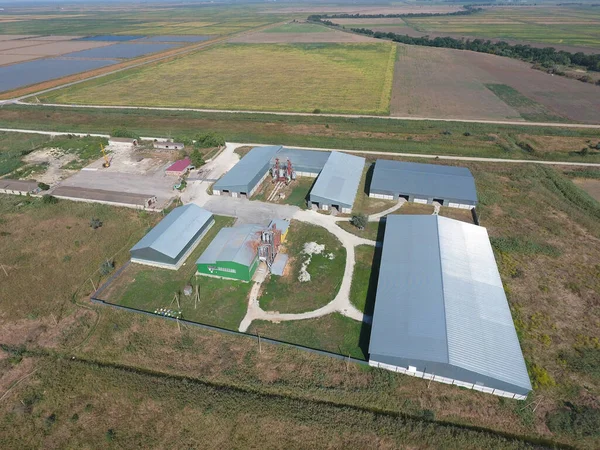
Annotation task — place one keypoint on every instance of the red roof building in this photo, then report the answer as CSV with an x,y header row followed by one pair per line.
x,y
180,167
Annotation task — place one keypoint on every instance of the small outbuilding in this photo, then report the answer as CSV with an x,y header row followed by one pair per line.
x,y
122,142
337,183
423,183
233,253
175,237
180,168
168,145
441,313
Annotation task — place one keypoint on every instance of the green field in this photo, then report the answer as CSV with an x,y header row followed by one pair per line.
x,y
348,78
575,25
287,294
222,303
527,108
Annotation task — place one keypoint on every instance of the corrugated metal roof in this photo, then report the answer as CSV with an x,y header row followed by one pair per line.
x,y
174,232
426,180
236,244
281,224
180,165
18,185
440,298
303,160
242,174
339,179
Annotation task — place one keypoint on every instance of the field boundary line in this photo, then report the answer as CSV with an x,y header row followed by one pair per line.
x,y
307,114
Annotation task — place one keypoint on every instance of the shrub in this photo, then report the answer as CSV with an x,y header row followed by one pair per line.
x,y
210,139
123,133
107,267
95,223
540,378
360,221
466,133
196,158
43,186
582,421
316,111
49,199
111,435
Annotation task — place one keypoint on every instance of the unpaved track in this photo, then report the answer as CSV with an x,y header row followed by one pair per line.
x,y
348,116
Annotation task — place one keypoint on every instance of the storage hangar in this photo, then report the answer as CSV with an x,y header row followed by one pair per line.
x,y
233,253
18,187
423,183
170,242
440,309
306,163
247,175
338,182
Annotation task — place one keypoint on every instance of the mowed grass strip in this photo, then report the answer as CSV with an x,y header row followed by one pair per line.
x,y
343,78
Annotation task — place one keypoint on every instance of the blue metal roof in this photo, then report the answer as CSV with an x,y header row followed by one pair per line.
x,y
175,231
425,180
338,181
247,172
311,161
236,244
440,299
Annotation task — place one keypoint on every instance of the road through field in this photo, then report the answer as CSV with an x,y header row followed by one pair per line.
x,y
277,113
366,152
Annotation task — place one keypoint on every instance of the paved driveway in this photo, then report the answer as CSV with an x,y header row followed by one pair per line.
x,y
248,211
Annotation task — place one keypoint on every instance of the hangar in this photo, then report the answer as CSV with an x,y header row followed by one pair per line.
x,y
232,253
423,183
440,310
247,175
170,242
338,182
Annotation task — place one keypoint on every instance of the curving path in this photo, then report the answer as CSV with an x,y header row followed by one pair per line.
x,y
341,303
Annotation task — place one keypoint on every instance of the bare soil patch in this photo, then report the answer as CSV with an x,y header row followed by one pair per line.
x,y
432,82
592,187
12,37
9,45
11,59
297,38
56,48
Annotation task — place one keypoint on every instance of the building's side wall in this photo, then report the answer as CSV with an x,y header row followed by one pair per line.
x,y
423,199
327,203
226,269
448,374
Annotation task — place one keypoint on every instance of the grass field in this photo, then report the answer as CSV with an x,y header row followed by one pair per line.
x,y
364,281
527,108
546,237
299,28
575,25
287,294
222,302
424,137
328,77
334,333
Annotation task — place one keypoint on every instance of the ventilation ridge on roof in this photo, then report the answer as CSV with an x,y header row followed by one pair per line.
x,y
439,247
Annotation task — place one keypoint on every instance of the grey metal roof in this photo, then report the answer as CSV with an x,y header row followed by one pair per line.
x,y
246,171
440,299
311,161
427,180
236,244
338,181
175,231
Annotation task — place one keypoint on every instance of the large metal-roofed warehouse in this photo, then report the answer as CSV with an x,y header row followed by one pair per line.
x,y
423,183
247,175
338,182
170,242
306,163
440,310
232,253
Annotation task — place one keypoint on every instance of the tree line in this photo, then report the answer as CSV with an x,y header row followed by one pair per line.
x,y
546,57
468,10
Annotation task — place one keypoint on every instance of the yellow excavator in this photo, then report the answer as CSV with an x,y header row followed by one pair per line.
x,y
106,160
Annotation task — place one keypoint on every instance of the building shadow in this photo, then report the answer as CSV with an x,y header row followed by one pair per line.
x,y
368,178
365,331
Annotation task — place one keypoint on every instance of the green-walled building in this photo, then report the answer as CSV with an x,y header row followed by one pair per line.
x,y
232,253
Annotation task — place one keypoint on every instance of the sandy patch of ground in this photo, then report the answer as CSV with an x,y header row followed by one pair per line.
x,y
592,187
297,38
9,45
11,59
12,37
55,158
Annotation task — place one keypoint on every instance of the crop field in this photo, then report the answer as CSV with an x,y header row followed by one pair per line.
x,y
328,77
127,50
573,26
297,33
440,83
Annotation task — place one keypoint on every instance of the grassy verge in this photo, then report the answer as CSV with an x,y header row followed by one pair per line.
x,y
287,294
334,333
222,302
425,137
364,281
365,204
371,231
